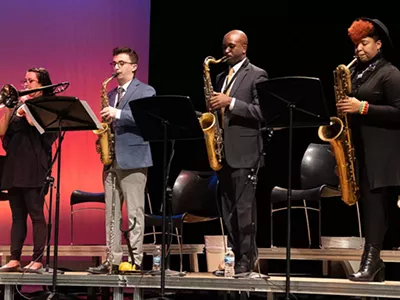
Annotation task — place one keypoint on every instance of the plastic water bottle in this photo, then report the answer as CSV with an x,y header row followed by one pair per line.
x,y
229,263
157,258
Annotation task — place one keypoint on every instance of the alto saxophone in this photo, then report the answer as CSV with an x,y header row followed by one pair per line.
x,y
209,121
105,147
105,141
338,134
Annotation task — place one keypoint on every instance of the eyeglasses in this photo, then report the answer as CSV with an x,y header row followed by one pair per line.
x,y
28,81
120,63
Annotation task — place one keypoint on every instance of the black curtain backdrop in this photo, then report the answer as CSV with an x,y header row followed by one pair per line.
x,y
286,38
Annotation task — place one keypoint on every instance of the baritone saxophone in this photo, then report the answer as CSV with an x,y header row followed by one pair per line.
x,y
339,135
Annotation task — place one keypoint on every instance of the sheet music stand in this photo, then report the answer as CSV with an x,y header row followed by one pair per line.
x,y
162,119
58,114
292,102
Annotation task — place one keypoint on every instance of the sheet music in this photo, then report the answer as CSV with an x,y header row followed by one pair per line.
x,y
50,119
29,114
91,113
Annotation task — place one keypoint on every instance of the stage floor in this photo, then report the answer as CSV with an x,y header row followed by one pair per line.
x,y
207,281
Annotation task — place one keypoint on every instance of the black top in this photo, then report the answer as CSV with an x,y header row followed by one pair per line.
x,y
377,134
28,154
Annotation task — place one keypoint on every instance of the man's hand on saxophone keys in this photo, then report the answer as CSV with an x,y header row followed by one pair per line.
x,y
219,100
348,105
109,113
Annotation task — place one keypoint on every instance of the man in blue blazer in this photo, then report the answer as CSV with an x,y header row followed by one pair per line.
x,y
125,179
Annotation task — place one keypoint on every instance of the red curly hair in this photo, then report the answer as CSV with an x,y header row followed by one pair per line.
x,y
359,30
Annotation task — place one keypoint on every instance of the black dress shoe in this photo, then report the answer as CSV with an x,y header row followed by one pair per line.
x,y
372,267
241,268
104,268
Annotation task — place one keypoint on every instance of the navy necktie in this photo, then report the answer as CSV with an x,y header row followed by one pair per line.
x,y
120,90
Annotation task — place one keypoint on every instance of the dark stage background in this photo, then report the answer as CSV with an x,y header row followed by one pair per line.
x,y
286,38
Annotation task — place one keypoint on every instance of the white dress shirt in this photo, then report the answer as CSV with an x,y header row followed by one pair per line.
x,y
235,69
125,87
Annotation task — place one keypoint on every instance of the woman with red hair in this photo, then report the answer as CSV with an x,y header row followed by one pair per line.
x,y
375,124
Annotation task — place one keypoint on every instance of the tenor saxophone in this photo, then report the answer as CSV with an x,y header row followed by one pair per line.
x,y
105,141
209,122
339,135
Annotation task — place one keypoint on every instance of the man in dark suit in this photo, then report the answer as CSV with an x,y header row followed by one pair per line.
x,y
238,101
125,179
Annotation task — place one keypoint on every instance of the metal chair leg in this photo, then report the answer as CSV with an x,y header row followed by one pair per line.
x,y
151,212
271,227
308,223
179,239
223,234
359,224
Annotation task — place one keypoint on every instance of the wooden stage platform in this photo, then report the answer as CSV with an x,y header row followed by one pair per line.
x,y
195,280
206,282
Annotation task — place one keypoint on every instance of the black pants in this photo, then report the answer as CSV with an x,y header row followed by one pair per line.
x,y
374,210
238,205
24,201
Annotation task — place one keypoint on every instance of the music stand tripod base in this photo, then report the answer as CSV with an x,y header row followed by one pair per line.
x,y
250,275
168,272
51,270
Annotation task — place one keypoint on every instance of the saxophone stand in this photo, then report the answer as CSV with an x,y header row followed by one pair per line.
x,y
59,114
163,119
292,102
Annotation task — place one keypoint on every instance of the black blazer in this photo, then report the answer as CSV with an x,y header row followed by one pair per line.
x,y
242,138
377,134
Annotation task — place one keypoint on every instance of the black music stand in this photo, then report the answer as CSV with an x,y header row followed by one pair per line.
x,y
58,114
162,119
292,102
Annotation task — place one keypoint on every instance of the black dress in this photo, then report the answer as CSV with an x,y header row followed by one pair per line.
x,y
377,134
28,154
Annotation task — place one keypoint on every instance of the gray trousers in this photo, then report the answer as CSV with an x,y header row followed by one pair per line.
x,y
129,186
